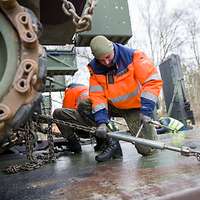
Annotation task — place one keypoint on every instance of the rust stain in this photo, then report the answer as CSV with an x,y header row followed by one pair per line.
x,y
122,183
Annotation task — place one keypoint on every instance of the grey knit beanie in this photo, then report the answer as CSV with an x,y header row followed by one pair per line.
x,y
100,46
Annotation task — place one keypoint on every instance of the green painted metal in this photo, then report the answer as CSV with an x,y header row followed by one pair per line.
x,y
9,54
111,18
61,62
55,83
58,28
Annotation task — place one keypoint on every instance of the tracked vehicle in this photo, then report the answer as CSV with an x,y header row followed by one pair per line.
x,y
26,26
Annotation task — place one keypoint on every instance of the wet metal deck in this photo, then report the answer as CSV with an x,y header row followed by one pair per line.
x,y
165,175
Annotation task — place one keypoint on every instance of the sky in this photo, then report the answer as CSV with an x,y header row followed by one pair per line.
x,y
135,16
171,4
139,39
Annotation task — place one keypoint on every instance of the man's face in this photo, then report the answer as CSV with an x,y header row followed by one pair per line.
x,y
106,59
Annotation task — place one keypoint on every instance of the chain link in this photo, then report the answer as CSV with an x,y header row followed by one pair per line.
x,y
37,161
28,142
45,118
84,22
51,154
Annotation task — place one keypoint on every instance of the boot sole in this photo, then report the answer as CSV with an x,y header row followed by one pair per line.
x,y
114,157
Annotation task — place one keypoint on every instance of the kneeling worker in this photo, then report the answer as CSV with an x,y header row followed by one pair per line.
x,y
76,109
127,81
74,94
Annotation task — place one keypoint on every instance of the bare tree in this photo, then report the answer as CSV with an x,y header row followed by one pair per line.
x,y
148,21
163,29
169,34
165,32
192,56
193,30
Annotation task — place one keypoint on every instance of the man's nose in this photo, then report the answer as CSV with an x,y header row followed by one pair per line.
x,y
107,61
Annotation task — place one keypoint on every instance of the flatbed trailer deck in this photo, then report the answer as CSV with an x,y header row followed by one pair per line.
x,y
164,175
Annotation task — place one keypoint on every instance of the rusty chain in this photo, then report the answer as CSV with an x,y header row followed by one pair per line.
x,y
37,161
84,22
28,142
51,155
45,118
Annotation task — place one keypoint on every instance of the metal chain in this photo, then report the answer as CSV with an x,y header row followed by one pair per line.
x,y
34,162
40,160
51,153
27,133
84,22
28,142
73,125
50,99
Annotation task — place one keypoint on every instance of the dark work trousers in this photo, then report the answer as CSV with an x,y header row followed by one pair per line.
x,y
132,118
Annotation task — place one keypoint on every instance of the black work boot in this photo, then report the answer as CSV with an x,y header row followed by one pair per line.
x,y
112,150
73,145
100,144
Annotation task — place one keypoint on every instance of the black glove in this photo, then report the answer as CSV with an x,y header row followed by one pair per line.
x,y
101,131
85,106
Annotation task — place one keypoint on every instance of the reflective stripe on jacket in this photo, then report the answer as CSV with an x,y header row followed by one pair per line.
x,y
174,124
134,77
74,94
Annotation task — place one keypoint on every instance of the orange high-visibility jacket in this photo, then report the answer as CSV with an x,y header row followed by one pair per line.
x,y
133,77
74,94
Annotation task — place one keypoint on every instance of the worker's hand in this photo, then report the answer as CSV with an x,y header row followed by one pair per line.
x,y
101,131
145,118
85,106
55,130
